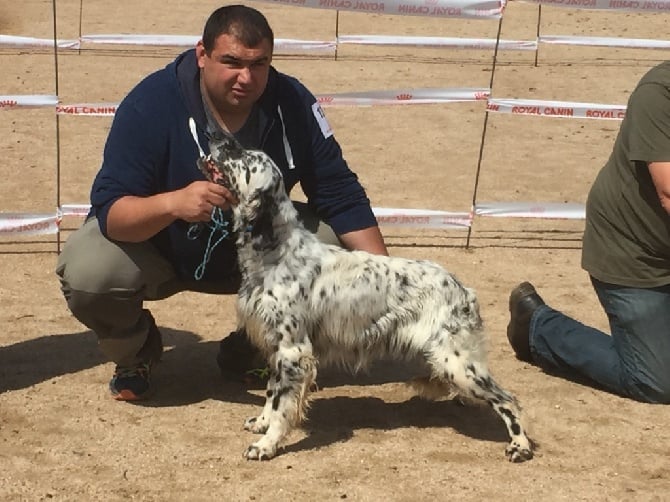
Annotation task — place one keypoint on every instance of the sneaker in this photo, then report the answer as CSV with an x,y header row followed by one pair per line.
x,y
240,360
133,383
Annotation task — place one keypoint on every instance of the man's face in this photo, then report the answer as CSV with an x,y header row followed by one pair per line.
x,y
234,75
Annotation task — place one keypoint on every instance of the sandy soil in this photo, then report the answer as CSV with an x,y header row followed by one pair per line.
x,y
368,438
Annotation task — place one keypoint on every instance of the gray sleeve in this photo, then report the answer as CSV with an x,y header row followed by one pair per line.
x,y
649,115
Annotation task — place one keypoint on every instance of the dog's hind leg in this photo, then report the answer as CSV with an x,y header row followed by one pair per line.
x,y
286,399
471,378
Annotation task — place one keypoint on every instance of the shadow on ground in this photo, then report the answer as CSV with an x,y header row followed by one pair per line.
x,y
33,361
189,374
333,420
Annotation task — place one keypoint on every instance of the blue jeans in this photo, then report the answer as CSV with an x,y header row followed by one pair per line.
x,y
633,362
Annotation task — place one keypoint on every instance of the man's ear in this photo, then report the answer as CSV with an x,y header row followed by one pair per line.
x,y
200,53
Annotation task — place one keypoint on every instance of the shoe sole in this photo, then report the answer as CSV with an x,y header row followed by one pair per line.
x,y
128,395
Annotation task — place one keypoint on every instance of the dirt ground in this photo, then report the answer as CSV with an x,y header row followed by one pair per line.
x,y
368,438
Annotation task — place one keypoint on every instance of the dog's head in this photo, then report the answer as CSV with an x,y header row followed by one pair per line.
x,y
250,175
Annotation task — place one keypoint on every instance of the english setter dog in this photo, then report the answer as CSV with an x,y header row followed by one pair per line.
x,y
302,301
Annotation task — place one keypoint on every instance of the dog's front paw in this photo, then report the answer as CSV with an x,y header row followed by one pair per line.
x,y
256,425
256,451
515,453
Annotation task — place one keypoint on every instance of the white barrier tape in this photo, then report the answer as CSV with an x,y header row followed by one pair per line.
x,y
281,44
484,9
635,43
555,210
561,109
371,98
13,224
623,5
27,101
15,41
385,216
329,47
80,210
308,46
122,39
564,109
404,96
90,109
424,218
455,43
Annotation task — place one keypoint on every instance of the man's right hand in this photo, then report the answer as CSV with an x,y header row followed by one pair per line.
x,y
137,219
196,201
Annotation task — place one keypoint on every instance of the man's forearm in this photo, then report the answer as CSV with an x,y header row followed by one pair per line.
x,y
660,175
137,219
368,239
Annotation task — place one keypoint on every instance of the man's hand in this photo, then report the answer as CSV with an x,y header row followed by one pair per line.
x,y
196,201
137,219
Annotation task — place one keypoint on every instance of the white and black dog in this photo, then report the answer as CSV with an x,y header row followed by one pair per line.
x,y
303,302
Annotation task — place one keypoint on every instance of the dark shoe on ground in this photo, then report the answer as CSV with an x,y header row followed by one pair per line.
x,y
523,302
133,383
240,360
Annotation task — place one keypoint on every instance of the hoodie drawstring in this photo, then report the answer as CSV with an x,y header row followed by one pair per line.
x,y
287,147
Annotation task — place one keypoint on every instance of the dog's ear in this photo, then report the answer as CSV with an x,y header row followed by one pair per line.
x,y
471,308
223,144
261,209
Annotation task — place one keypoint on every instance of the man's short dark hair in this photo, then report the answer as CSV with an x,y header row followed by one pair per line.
x,y
246,24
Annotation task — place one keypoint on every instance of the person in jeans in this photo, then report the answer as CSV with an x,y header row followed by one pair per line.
x,y
157,226
626,251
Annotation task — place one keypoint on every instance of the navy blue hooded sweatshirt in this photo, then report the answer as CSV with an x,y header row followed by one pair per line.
x,y
151,150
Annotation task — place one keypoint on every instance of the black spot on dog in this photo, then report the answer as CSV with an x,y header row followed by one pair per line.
x,y
277,398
